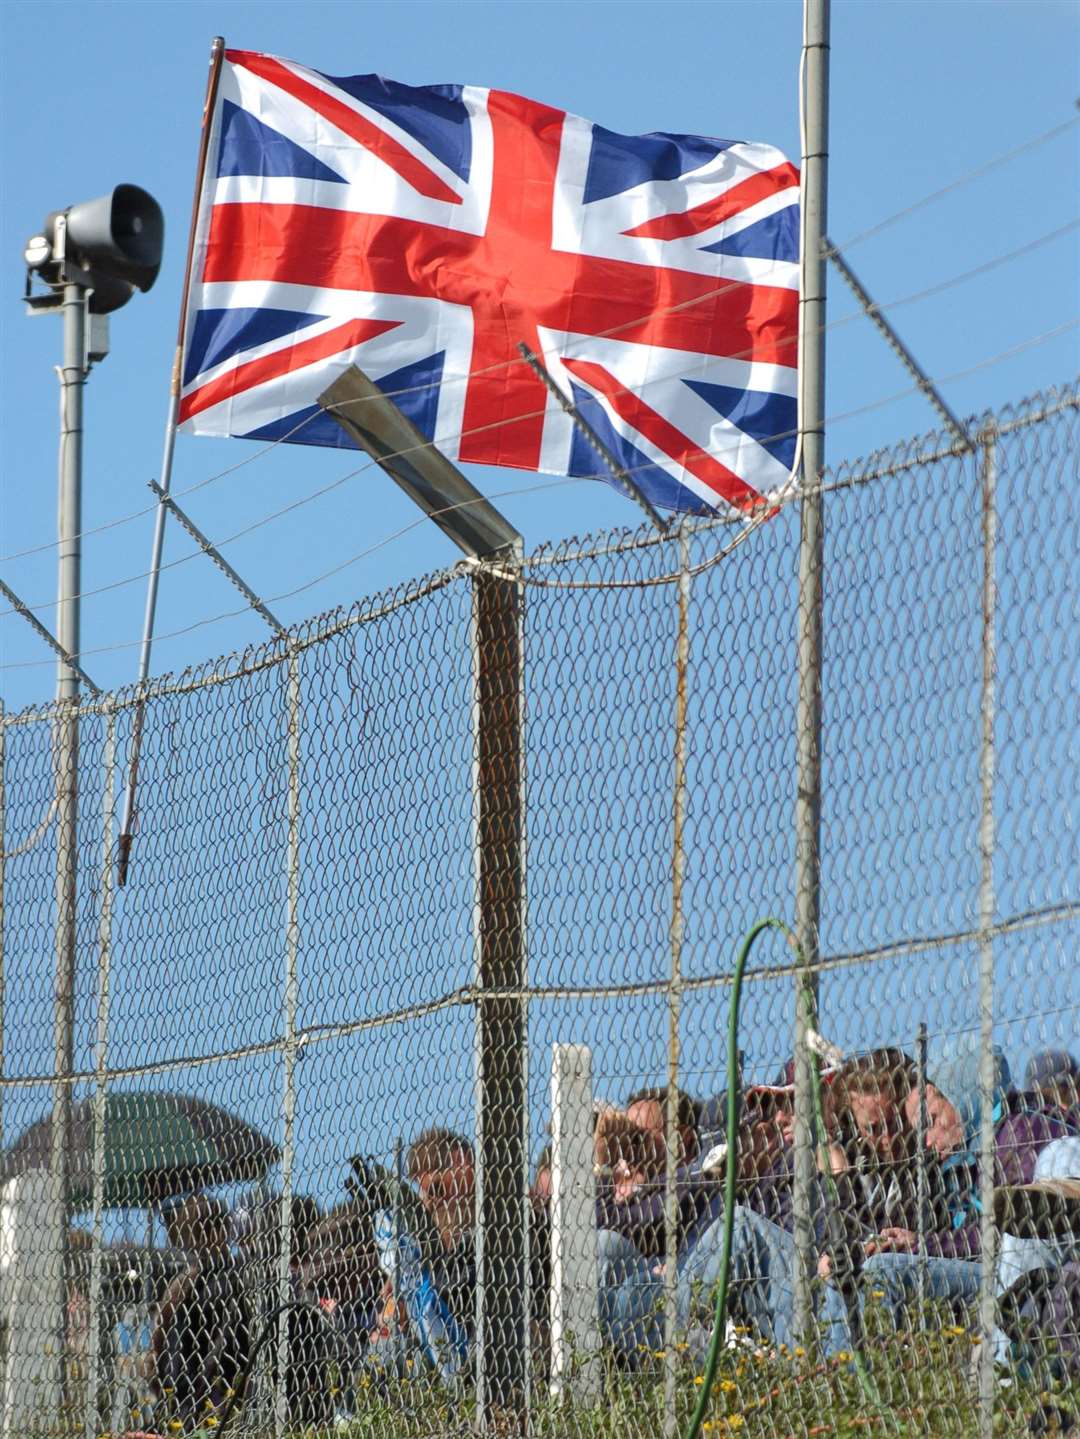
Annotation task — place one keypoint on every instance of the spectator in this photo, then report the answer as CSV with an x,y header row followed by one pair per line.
x,y
953,1268
430,1287
870,1141
1041,1220
540,1189
441,1166
631,1211
340,1273
202,1338
647,1108
1052,1081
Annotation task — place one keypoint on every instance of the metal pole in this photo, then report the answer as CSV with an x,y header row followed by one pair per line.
x,y
815,146
66,750
3,969
127,825
91,1422
678,871
987,1076
920,1162
289,997
502,1180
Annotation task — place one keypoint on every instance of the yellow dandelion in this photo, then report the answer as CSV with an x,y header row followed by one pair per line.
x,y
844,1357
800,1352
175,1426
699,1378
877,1294
726,1386
734,1421
659,1353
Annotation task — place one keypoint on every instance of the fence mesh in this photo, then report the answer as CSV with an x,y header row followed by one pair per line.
x,y
389,1094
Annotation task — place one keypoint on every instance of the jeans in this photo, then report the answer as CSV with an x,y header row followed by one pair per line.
x,y
631,1296
946,1279
762,1264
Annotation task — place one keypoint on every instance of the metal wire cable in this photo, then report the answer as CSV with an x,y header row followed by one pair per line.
x,y
967,178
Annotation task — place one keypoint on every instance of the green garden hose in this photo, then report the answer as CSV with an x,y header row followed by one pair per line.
x,y
807,998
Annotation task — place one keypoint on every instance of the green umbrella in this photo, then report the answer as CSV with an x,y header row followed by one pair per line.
x,y
156,1145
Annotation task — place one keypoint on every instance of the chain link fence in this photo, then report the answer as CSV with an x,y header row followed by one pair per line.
x,y
389,1096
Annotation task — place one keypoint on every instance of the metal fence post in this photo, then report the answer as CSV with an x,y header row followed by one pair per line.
x,y
502,1330
811,549
3,875
289,999
678,872
987,1232
921,1195
91,1424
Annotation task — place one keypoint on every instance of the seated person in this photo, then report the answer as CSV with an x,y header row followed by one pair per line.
x,y
953,1268
866,1135
1038,1275
631,1199
1052,1082
428,1257
202,1339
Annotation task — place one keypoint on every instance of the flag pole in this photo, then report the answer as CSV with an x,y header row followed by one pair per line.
x,y
217,55
814,131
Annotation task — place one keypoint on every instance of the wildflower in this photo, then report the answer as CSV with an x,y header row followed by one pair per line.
x,y
699,1378
877,1294
726,1386
734,1421
844,1357
681,1348
659,1353
175,1426
954,1331
800,1352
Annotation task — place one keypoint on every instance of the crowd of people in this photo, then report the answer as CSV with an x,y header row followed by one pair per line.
x,y
385,1283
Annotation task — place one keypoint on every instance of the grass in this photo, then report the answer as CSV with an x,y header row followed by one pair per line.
x,y
923,1377
924,1380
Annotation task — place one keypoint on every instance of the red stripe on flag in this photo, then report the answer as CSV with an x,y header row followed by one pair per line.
x,y
333,249
283,362
703,217
666,437
503,416
420,176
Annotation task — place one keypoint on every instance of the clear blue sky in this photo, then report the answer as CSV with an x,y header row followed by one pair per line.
x,y
96,94
921,95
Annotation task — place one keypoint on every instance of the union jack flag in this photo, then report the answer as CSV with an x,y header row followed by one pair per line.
x,y
422,232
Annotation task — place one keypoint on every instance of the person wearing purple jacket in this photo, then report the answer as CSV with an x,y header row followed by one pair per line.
x,y
953,1268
